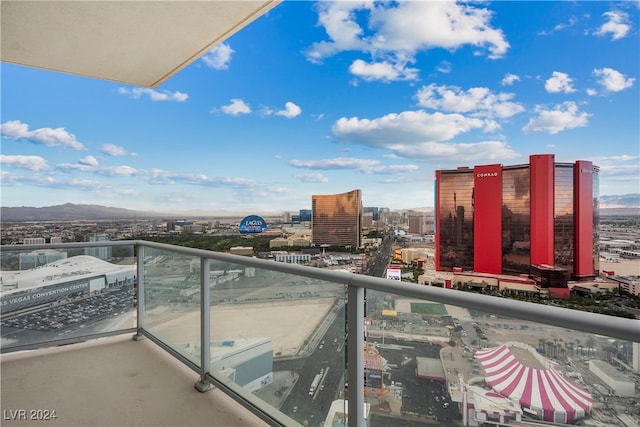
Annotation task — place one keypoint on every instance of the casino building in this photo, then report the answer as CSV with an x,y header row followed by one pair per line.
x,y
539,218
337,219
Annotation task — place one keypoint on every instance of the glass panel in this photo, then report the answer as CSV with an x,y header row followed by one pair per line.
x,y
281,338
55,294
456,220
172,300
516,219
440,359
564,218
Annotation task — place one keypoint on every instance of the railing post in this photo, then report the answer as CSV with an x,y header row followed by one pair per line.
x,y
139,252
205,337
355,355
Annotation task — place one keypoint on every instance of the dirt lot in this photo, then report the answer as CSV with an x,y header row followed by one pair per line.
x,y
288,324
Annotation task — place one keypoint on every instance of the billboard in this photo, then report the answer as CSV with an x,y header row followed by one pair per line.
x,y
394,272
252,224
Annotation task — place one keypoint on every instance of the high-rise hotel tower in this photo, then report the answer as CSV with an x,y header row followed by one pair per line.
x,y
336,219
505,219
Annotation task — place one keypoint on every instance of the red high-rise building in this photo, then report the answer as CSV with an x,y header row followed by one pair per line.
x,y
504,219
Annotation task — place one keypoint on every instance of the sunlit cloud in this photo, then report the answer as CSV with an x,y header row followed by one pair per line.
x,y
509,79
394,32
406,127
563,117
478,101
367,166
613,80
219,57
290,111
236,107
115,150
32,163
559,82
312,177
384,71
50,137
617,25
88,161
165,95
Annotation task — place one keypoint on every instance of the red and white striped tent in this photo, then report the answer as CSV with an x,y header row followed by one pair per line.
x,y
543,391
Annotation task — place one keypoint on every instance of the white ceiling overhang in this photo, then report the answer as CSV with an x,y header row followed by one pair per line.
x,y
140,42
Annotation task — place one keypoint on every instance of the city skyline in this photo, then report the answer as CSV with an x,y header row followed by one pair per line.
x,y
321,98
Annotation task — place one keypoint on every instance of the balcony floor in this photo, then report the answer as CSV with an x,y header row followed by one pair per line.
x,y
112,381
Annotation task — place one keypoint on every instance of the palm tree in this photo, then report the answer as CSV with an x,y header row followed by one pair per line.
x,y
590,343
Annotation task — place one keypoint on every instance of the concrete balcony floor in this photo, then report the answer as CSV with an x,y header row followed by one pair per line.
x,y
111,381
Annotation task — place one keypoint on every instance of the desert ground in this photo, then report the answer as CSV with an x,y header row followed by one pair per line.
x,y
288,324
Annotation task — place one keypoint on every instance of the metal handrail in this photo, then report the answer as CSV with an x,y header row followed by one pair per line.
x,y
624,329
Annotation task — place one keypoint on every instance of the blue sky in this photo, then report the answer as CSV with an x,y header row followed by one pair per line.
x,y
323,98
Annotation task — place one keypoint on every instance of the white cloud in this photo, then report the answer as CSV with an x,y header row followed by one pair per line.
x,y
384,71
612,80
163,177
32,163
367,166
591,92
335,163
572,21
559,82
116,150
219,57
621,158
391,169
616,25
117,171
396,31
392,130
312,177
290,111
479,101
49,137
89,161
90,164
236,107
562,117
165,95
444,67
509,79
459,152
627,171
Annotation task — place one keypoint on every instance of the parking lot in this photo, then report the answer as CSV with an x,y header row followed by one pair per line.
x,y
77,312
416,397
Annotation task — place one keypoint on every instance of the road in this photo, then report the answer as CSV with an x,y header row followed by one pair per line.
x,y
328,356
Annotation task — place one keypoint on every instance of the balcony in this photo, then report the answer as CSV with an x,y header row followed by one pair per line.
x,y
255,342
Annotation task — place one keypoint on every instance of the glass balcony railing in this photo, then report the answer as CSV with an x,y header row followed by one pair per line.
x,y
307,346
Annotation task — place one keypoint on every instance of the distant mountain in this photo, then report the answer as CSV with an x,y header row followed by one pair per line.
x,y
627,204
68,212
620,201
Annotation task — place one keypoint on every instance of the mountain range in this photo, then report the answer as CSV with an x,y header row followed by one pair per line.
x,y
627,204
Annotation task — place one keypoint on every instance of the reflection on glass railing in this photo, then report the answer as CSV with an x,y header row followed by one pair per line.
x,y
50,295
280,337
172,300
452,365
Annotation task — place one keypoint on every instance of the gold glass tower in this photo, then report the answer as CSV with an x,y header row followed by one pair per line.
x,y
337,219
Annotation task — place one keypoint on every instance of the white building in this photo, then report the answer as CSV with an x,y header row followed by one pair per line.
x,y
616,380
61,279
